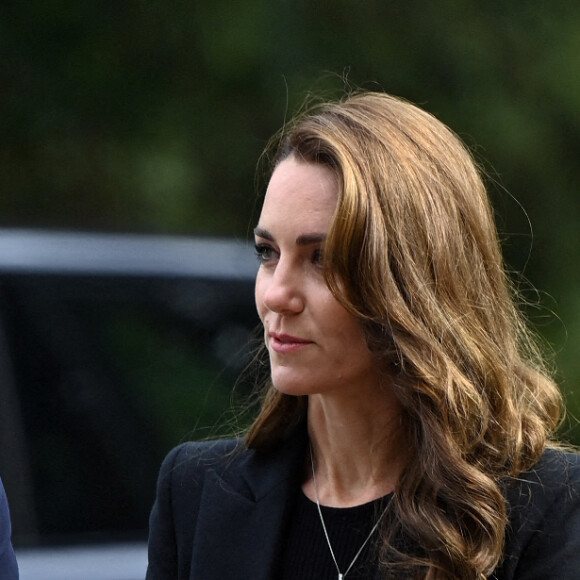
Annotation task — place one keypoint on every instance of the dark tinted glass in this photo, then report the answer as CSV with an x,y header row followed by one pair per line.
x,y
108,374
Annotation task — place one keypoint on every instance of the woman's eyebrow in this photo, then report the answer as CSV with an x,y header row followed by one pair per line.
x,y
262,233
302,240
310,239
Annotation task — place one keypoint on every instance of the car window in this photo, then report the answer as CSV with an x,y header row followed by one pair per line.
x,y
110,372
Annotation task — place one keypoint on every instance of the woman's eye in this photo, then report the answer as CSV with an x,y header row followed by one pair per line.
x,y
317,256
263,252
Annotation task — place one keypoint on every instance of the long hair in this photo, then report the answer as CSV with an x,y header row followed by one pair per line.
x,y
414,254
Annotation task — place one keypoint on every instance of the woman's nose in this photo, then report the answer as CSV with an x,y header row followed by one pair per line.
x,y
283,291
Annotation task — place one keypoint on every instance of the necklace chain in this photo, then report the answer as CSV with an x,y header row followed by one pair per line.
x,y
341,575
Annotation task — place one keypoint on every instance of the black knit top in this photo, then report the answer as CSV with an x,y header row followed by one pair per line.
x,y
305,552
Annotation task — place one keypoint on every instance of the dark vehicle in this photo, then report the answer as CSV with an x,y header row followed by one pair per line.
x,y
113,348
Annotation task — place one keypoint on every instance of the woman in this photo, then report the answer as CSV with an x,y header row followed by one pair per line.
x,y
405,431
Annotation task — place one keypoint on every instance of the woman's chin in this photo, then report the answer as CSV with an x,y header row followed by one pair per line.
x,y
292,384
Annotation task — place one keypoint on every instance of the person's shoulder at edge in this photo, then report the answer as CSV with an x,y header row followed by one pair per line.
x,y
543,534
8,566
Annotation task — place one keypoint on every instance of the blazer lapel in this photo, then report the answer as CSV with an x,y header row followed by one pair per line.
x,y
242,514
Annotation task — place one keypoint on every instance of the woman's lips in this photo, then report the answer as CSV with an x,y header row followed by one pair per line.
x,y
285,343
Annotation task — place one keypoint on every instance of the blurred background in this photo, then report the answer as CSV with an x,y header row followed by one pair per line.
x,y
149,116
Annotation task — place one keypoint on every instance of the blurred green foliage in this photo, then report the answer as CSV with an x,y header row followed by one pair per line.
x,y
148,115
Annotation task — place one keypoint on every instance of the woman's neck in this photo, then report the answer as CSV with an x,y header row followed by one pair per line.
x,y
357,448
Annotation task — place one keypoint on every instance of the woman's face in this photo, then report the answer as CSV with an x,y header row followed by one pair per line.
x,y
315,345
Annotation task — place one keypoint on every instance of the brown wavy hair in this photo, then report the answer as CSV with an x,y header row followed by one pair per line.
x,y
413,252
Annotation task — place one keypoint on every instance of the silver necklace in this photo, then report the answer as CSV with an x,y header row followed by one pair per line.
x,y
341,575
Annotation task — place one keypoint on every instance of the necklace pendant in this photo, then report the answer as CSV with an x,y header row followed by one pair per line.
x,y
340,576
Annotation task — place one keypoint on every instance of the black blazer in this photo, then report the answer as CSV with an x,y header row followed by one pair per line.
x,y
220,509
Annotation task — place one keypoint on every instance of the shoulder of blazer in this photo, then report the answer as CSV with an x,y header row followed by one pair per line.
x,y
188,461
208,491
557,472
250,472
543,533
